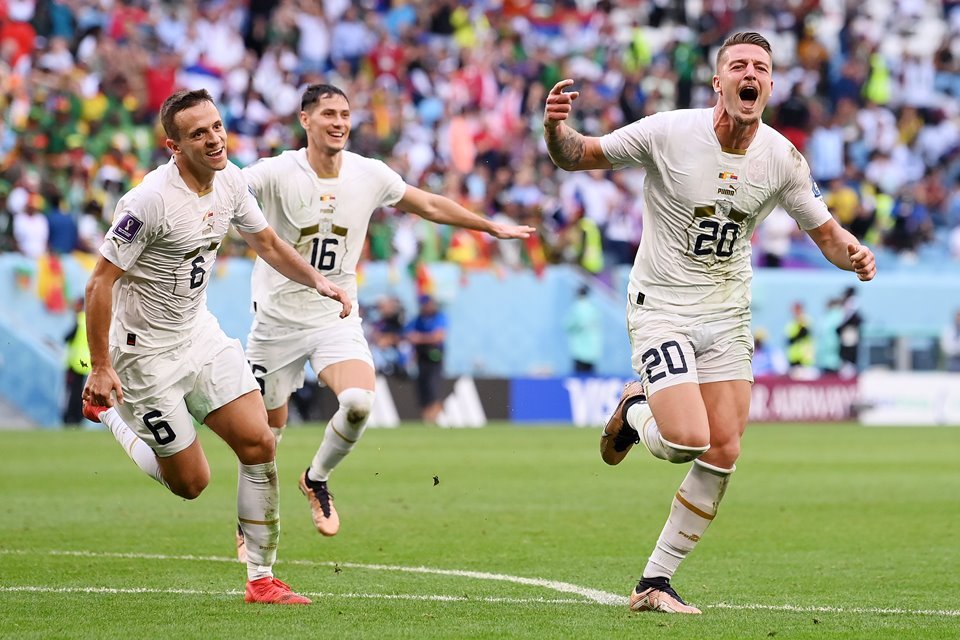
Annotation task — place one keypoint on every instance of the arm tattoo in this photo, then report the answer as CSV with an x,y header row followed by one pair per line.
x,y
566,147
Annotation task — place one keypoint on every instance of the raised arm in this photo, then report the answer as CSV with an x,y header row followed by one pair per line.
x,y
842,248
282,257
442,210
569,149
103,381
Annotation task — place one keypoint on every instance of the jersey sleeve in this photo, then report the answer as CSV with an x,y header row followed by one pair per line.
x,y
257,177
632,144
136,223
247,215
801,196
393,186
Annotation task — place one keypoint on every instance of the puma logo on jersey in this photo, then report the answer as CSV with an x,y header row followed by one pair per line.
x,y
727,190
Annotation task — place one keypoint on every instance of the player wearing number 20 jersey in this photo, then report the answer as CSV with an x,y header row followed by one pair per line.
x,y
701,204
689,292
712,176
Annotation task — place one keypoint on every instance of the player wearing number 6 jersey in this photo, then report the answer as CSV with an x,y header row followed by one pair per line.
x,y
155,345
712,176
320,199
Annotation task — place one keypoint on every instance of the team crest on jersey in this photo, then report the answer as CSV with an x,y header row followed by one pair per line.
x,y
128,227
757,172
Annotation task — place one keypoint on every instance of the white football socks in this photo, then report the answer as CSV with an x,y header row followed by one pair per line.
x,y
694,508
258,512
341,434
641,419
138,450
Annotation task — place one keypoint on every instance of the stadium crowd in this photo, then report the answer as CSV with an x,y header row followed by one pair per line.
x,y
450,94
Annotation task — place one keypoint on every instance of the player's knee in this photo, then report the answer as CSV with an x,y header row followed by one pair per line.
x,y
725,454
258,447
191,487
356,404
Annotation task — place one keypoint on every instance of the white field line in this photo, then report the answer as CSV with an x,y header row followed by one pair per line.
x,y
317,594
592,595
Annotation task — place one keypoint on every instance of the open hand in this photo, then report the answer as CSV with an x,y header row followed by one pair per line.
x,y
511,231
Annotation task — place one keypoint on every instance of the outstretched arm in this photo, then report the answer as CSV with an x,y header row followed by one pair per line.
x,y
842,248
282,257
441,210
569,149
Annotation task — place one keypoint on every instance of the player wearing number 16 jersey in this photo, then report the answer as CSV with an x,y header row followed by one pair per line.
x,y
712,176
156,347
320,199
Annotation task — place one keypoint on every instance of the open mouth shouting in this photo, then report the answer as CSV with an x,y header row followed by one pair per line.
x,y
748,96
217,154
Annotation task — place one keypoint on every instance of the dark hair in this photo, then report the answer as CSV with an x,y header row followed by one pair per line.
x,y
313,93
744,37
177,102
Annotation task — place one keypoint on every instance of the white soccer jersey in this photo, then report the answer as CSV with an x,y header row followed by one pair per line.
x,y
702,203
165,237
325,220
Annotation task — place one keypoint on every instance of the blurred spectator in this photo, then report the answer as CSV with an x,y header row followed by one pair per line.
x,y
427,332
776,234
390,351
767,361
450,87
827,348
78,365
62,225
850,332
584,328
950,344
800,346
31,229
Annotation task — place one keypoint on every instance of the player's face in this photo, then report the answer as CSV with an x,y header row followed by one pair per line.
x,y
328,123
203,138
744,81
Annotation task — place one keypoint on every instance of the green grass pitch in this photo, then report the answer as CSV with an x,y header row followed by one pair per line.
x,y
827,531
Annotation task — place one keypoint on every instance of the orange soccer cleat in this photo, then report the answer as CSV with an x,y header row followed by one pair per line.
x,y
269,590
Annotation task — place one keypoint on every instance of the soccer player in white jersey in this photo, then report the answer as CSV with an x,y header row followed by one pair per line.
x,y
320,199
712,176
154,344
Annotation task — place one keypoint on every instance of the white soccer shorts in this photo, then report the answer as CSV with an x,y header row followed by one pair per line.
x,y
669,349
277,355
163,392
